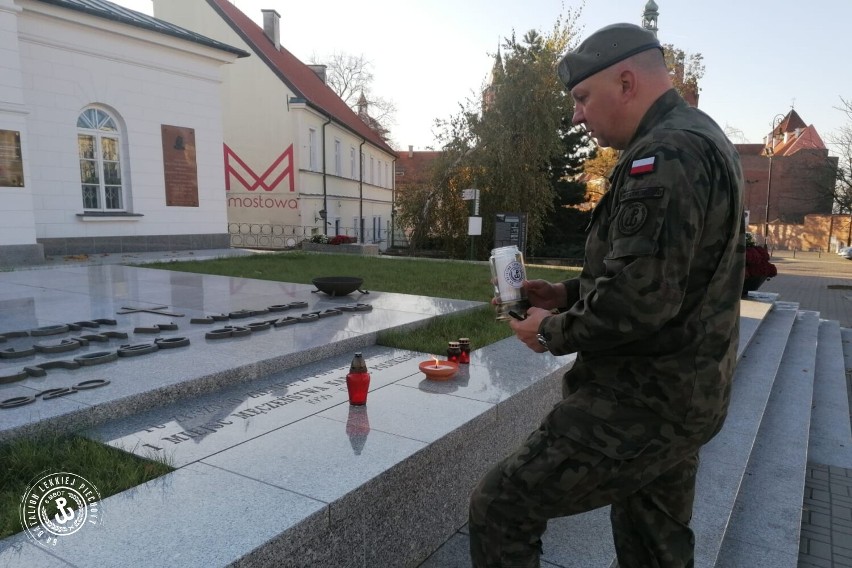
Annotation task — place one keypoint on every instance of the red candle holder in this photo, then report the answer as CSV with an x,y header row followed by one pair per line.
x,y
358,384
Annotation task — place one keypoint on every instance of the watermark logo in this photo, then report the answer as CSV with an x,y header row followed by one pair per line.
x,y
57,505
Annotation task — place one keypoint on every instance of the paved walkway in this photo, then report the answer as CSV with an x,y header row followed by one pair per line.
x,y
820,282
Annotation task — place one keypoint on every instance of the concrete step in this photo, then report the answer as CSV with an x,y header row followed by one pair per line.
x,y
831,435
764,527
725,458
585,541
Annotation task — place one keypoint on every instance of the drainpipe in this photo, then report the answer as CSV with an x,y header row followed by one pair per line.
x,y
393,200
361,192
324,176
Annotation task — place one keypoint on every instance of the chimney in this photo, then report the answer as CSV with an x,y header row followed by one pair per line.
x,y
410,151
272,26
319,70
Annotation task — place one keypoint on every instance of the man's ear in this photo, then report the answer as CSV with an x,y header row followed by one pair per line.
x,y
628,83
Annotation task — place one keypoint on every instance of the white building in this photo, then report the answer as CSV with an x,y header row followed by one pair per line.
x,y
110,132
298,160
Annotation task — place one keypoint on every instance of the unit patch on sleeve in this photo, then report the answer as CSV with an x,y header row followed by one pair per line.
x,y
643,166
642,193
632,217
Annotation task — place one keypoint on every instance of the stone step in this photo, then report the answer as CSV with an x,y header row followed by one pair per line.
x,y
724,459
764,527
831,435
826,533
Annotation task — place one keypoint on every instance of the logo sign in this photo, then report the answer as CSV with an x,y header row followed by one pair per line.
x,y
514,274
281,168
58,505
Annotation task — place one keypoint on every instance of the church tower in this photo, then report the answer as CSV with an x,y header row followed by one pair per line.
x,y
649,17
489,94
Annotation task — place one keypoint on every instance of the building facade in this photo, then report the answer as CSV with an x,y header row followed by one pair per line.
x,y
110,132
787,177
298,160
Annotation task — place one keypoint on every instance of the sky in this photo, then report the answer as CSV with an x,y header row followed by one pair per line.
x,y
761,57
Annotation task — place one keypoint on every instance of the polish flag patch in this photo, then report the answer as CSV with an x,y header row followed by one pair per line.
x,y
642,166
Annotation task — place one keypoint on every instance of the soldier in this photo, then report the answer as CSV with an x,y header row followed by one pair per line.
x,y
653,318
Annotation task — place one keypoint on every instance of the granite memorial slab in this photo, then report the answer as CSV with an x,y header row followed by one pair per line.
x,y
186,432
57,297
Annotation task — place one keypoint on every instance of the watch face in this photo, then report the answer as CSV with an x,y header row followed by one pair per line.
x,y
542,340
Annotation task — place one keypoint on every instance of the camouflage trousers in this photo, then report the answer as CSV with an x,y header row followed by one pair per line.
x,y
589,453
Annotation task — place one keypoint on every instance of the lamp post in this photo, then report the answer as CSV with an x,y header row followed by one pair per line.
x,y
769,151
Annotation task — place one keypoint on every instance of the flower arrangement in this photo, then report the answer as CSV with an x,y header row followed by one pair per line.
x,y
335,240
341,240
757,260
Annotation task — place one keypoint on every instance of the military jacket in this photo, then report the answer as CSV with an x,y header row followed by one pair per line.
x,y
654,314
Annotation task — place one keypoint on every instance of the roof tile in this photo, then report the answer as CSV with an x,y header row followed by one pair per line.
x,y
296,75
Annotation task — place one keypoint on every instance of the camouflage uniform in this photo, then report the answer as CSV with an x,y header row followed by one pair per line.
x,y
654,319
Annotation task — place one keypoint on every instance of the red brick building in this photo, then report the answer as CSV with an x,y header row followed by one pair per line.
x,y
414,168
789,176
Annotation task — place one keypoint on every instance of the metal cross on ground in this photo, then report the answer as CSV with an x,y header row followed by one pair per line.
x,y
155,310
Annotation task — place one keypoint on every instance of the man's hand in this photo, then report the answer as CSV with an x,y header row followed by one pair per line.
x,y
543,294
527,330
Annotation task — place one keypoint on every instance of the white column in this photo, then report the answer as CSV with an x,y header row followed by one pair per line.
x,y
17,216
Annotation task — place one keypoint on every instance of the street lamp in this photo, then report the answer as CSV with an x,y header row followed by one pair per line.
x,y
769,151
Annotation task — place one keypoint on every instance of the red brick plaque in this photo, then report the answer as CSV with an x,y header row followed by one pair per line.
x,y
181,172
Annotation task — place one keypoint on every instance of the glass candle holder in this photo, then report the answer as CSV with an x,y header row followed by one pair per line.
x,y
464,346
507,275
453,351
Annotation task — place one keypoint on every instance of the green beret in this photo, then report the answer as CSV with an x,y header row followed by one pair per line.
x,y
605,47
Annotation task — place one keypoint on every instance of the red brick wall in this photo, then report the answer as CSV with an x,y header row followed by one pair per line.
x,y
815,234
800,186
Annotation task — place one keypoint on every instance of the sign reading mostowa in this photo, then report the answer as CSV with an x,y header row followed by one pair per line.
x,y
181,171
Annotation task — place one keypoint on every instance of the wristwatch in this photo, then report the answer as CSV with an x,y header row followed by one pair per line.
x,y
542,341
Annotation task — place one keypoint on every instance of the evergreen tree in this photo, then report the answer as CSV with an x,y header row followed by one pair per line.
x,y
516,148
565,234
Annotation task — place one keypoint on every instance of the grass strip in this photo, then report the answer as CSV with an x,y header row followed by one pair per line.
x,y
479,325
434,278
109,469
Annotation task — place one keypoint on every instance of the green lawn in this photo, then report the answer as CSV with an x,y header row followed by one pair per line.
x,y
440,279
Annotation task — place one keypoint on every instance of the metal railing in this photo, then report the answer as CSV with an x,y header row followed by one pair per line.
x,y
268,236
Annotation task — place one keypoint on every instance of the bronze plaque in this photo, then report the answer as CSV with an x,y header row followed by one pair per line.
x,y
11,160
181,172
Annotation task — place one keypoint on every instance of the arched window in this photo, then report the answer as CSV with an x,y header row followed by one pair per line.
x,y
99,146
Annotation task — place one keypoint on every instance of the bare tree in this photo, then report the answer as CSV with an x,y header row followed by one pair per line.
x,y
351,76
841,140
735,134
